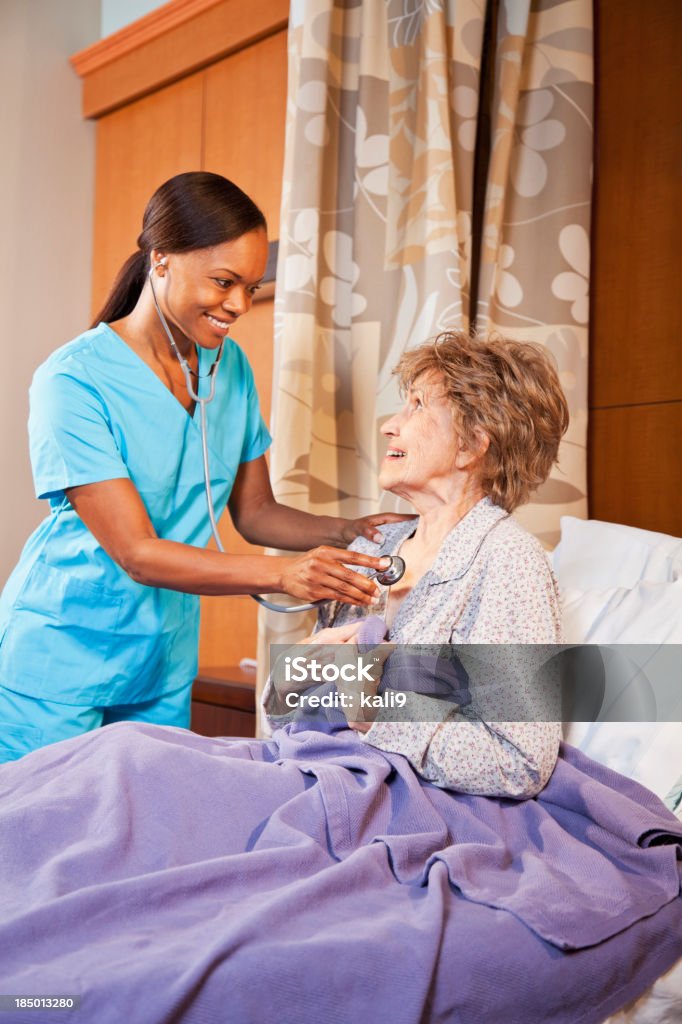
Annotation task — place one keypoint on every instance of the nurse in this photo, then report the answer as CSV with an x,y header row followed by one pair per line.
x,y
99,620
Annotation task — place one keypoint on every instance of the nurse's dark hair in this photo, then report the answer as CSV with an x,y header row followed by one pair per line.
x,y
194,210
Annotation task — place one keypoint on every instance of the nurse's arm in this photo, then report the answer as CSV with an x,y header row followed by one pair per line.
x,y
115,514
261,519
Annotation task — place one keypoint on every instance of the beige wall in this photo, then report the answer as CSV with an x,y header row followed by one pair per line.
x,y
46,204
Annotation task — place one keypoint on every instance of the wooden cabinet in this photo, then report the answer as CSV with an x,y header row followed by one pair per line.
x,y
223,702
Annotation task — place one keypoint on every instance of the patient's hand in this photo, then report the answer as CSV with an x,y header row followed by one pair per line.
x,y
360,726
367,526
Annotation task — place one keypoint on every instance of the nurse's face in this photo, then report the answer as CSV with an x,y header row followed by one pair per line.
x,y
204,291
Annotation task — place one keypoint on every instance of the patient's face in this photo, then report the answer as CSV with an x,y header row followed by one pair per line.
x,y
422,445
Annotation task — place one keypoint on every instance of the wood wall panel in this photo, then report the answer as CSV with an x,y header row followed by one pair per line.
x,y
244,117
636,265
635,449
229,625
635,466
138,148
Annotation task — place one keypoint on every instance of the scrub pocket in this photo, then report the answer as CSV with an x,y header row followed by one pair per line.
x,y
155,649
59,637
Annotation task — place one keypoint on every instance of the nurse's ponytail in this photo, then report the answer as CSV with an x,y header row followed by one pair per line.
x,y
190,211
126,289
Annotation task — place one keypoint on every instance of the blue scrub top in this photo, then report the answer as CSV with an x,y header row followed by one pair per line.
x,y
74,627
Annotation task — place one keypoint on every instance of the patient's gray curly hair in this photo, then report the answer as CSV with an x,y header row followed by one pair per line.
x,y
508,391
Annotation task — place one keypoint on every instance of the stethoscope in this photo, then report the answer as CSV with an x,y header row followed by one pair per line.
x,y
386,577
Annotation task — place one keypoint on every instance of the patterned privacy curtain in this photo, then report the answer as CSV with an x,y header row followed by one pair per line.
x,y
375,234
535,247
376,229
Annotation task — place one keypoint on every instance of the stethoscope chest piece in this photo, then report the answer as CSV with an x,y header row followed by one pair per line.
x,y
395,572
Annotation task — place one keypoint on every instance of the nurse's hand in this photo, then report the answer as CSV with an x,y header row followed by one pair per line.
x,y
366,526
323,575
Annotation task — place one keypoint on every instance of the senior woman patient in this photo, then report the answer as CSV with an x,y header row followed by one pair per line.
x,y
479,431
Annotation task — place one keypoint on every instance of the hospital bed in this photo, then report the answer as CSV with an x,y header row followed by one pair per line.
x,y
244,937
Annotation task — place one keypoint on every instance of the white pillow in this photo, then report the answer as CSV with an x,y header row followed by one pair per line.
x,y
647,613
593,555
649,752
623,585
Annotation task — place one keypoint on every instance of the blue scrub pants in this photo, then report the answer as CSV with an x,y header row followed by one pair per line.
x,y
27,723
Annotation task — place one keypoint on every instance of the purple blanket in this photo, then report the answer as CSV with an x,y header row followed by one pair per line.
x,y
167,877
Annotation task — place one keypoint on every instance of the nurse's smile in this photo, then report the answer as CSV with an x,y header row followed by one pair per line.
x,y
222,325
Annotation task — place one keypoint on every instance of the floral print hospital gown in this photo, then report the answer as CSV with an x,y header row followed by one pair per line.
x,y
491,583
